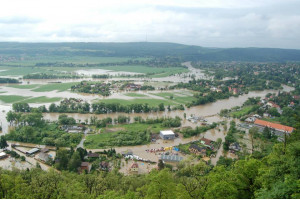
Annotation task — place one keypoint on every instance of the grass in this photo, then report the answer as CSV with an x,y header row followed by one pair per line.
x,y
151,102
41,99
244,111
170,71
60,87
24,99
178,98
158,72
92,141
31,61
24,86
135,95
12,98
155,128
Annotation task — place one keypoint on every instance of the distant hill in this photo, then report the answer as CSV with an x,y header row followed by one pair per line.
x,y
142,49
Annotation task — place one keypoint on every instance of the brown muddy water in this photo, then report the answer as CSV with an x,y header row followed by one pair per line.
x,y
209,110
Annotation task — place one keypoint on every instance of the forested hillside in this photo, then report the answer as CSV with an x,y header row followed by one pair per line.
x,y
149,49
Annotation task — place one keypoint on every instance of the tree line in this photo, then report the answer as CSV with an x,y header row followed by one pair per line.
x,y
275,176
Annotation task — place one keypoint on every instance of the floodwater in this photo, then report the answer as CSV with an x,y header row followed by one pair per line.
x,y
90,72
209,110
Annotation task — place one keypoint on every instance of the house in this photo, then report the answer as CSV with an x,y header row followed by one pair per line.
x,y
133,87
206,159
104,166
127,153
171,158
45,150
93,155
44,157
167,135
292,104
197,150
266,115
235,91
134,167
206,142
72,129
3,155
250,119
85,166
32,151
256,116
272,104
276,127
235,147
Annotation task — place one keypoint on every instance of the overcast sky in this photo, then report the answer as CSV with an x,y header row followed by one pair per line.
x,y
209,23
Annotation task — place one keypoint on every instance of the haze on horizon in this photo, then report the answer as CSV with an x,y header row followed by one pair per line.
x,y
214,23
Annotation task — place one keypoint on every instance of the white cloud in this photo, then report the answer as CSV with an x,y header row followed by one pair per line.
x,y
218,23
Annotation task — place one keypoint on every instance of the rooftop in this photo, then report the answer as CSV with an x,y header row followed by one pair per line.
x,y
85,164
168,132
274,125
2,154
31,151
171,157
206,141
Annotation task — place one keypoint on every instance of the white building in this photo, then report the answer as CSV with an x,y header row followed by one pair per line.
x,y
167,135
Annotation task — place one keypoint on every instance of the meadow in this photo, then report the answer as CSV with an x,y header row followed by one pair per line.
x,y
25,99
176,97
12,98
135,95
60,87
244,111
32,60
125,131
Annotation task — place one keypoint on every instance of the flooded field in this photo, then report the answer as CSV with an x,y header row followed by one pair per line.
x,y
208,111
90,72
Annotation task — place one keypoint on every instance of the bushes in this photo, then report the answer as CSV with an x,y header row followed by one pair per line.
x,y
230,137
189,132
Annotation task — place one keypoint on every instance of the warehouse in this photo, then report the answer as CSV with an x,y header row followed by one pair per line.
x,y
167,135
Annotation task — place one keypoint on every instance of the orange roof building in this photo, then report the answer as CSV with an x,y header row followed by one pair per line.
x,y
275,126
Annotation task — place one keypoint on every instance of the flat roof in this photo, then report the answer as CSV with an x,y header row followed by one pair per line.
x,y
33,150
168,132
2,154
171,157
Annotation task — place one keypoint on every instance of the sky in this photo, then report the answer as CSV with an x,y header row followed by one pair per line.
x,y
208,23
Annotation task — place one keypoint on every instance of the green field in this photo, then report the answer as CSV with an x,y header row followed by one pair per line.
x,y
170,71
178,98
158,72
41,99
12,98
26,99
107,135
31,61
24,86
244,111
135,95
154,72
60,87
